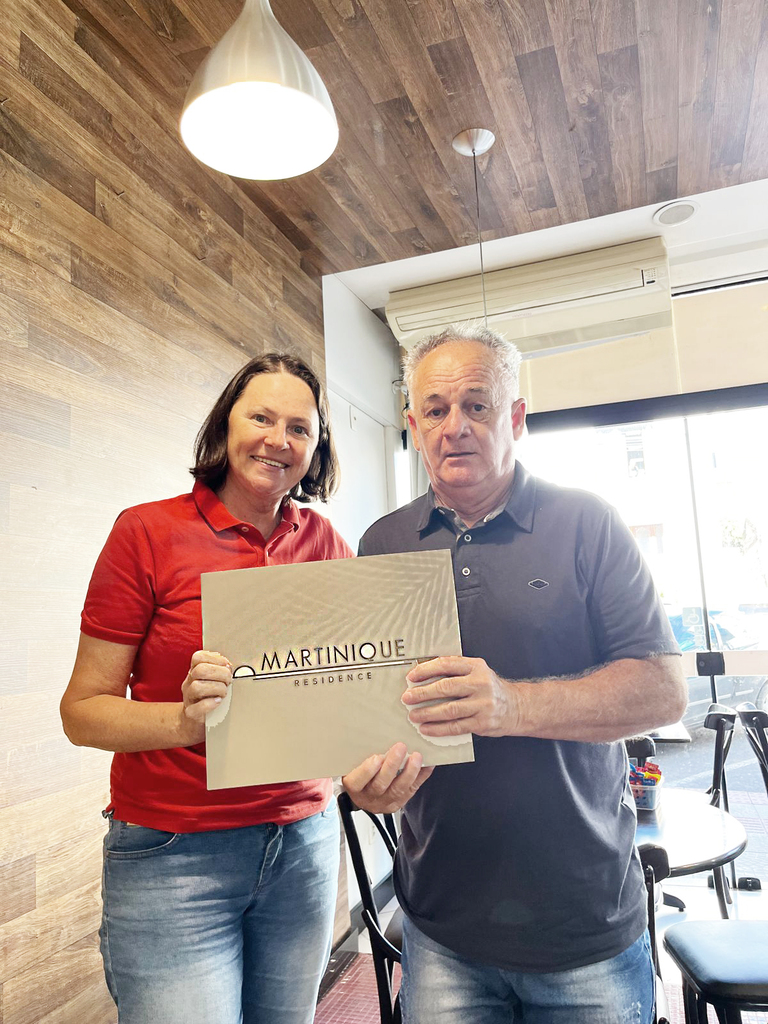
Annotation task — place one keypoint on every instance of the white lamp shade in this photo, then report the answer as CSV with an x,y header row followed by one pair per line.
x,y
256,107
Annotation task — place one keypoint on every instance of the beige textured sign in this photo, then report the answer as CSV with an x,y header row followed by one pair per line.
x,y
321,651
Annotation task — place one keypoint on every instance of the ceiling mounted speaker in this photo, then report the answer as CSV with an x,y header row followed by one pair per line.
x,y
675,213
256,107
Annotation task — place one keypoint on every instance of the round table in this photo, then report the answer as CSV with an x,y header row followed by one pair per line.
x,y
696,836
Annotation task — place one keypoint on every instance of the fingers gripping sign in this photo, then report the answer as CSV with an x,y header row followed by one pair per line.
x,y
454,696
210,673
383,783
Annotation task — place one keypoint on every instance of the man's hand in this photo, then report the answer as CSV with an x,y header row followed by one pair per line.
x,y
378,784
474,699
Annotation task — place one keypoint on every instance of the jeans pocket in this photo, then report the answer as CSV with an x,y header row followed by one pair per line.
x,y
133,841
331,810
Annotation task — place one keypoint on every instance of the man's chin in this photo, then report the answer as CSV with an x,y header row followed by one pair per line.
x,y
458,479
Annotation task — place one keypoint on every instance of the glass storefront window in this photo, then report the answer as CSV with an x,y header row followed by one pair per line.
x,y
643,470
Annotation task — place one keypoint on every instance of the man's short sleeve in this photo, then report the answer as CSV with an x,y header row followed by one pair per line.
x,y
121,595
625,610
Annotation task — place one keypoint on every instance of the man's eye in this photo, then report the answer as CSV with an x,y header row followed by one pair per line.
x,y
434,413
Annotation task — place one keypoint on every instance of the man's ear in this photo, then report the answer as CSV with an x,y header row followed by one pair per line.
x,y
414,430
518,418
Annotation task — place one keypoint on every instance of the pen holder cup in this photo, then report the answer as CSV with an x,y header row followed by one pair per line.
x,y
646,797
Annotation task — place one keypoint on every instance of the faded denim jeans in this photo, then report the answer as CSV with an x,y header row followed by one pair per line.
x,y
441,987
219,927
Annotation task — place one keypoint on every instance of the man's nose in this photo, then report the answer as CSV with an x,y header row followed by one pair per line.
x,y
455,423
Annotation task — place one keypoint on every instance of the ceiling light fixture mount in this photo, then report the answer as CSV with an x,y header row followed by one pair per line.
x,y
256,108
474,142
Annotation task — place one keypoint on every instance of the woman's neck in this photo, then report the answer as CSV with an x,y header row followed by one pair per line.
x,y
263,515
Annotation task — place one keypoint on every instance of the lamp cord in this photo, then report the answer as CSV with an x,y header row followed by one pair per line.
x,y
479,237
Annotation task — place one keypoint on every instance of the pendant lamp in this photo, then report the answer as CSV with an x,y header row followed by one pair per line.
x,y
256,107
474,142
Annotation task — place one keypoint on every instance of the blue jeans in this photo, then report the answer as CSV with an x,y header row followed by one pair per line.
x,y
441,987
232,926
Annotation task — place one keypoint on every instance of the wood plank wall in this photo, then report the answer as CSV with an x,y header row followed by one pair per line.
x,y
133,283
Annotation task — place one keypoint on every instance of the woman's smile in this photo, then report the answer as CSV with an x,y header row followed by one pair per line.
x,y
269,462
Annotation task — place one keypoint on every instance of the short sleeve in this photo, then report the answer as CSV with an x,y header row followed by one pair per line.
x,y
121,595
337,546
627,616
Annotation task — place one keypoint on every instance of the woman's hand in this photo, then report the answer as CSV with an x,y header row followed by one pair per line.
x,y
206,685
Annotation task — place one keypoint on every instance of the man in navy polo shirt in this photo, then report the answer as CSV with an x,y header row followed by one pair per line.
x,y
523,894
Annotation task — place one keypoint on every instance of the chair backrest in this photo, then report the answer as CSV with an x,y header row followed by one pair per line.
x,y
755,724
721,720
640,748
387,830
655,868
385,954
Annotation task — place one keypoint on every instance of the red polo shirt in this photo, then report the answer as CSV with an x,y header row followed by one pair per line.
x,y
145,591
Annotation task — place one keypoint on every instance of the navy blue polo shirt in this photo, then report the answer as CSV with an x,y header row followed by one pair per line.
x,y
525,859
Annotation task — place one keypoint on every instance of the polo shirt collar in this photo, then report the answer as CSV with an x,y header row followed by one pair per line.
x,y
215,513
520,506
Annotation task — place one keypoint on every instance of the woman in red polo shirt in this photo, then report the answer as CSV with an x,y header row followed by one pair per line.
x,y
218,906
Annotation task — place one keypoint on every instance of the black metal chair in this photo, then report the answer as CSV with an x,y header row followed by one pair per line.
x,y
724,964
755,724
639,749
655,868
386,944
721,719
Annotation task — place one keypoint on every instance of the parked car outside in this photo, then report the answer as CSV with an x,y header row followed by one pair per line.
x,y
728,632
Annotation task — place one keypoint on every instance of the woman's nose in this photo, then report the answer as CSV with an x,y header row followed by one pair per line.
x,y
276,436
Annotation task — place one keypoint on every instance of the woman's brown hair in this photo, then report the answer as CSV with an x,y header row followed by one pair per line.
x,y
211,463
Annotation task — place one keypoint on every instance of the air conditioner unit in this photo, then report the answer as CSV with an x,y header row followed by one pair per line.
x,y
553,306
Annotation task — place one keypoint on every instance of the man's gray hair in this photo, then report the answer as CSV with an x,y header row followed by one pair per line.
x,y
505,352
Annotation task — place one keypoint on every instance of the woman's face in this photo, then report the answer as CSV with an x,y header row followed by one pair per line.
x,y
273,433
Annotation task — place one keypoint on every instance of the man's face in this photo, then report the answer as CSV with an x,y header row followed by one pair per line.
x,y
464,423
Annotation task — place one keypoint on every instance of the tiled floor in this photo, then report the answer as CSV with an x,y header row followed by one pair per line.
x,y
353,1000
752,811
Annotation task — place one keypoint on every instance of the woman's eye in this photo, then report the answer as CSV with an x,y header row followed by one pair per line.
x,y
259,418
300,430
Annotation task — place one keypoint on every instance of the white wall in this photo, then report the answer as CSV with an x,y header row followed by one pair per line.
x,y
362,361
361,354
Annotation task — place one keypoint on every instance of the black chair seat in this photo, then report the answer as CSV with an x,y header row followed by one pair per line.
x,y
725,961
394,930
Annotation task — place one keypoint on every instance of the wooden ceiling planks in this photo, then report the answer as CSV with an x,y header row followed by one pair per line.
x,y
736,56
620,82
755,161
597,105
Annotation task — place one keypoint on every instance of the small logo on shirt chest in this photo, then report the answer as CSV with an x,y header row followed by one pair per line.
x,y
538,584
